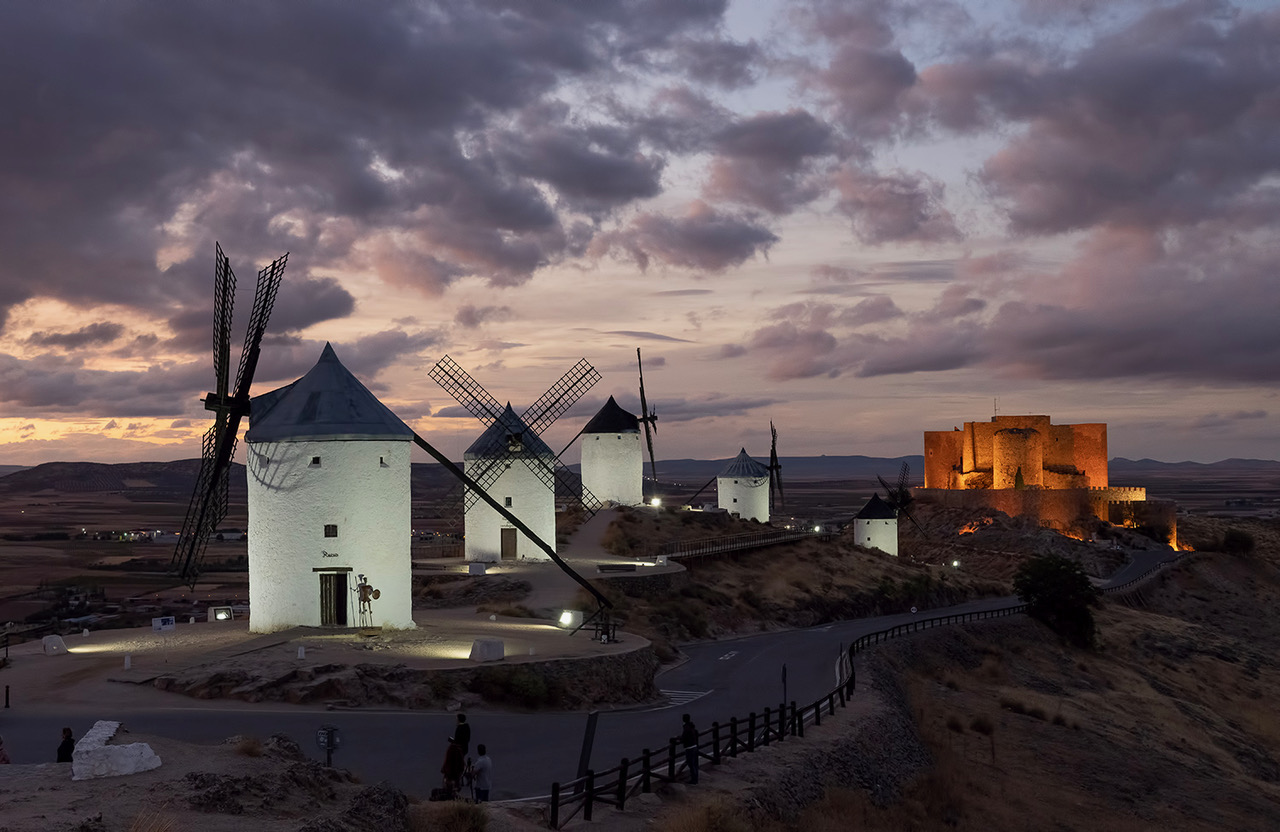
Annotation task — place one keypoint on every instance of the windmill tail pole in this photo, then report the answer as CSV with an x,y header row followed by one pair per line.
x,y
511,518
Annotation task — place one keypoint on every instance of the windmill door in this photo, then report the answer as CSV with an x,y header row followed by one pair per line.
x,y
508,544
333,599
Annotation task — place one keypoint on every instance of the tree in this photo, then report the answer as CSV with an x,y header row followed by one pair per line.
x,y
1058,592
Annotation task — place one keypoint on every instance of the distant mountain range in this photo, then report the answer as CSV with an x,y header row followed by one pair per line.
x,y
175,479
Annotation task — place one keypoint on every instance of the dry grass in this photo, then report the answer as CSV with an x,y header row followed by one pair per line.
x,y
448,816
154,820
249,747
715,815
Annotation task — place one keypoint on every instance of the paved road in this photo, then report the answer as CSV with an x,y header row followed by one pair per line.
x,y
529,750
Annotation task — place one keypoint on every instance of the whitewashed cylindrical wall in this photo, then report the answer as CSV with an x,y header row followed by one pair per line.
x,y
877,534
747,497
613,467
359,486
532,501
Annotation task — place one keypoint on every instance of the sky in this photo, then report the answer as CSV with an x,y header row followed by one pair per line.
x,y
859,220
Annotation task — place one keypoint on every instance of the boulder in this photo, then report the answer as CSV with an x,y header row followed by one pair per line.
x,y
54,646
487,650
93,756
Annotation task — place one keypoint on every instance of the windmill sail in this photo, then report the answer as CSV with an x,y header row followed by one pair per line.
x,y
208,506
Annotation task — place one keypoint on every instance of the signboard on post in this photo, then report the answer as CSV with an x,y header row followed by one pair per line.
x,y
164,623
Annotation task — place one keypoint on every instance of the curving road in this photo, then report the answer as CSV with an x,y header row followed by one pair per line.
x,y
719,679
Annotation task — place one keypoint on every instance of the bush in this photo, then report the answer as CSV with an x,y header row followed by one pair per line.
x,y
249,747
448,816
1237,542
1058,593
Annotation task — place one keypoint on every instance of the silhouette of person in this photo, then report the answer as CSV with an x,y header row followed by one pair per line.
x,y
453,767
462,733
67,746
689,739
482,771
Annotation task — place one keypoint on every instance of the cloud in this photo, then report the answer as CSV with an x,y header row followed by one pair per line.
x,y
731,351
900,207
1163,121
471,316
88,335
648,336
704,239
767,161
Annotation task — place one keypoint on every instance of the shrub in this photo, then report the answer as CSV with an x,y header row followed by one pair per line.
x,y
982,724
448,816
249,747
1058,593
1237,542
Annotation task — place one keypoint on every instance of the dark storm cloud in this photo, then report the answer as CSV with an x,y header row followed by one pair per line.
x,y
134,127
766,160
704,239
306,301
902,207
471,316
95,334
717,62
54,384
1167,121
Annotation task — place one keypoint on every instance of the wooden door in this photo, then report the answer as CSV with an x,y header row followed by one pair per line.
x,y
508,544
333,599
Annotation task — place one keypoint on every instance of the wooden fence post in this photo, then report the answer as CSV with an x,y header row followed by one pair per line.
x,y
671,760
590,797
555,805
622,783
817,714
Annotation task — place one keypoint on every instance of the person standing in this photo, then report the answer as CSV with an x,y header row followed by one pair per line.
x,y
689,739
482,771
453,767
67,747
462,733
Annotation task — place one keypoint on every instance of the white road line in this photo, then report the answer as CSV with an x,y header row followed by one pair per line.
x,y
683,697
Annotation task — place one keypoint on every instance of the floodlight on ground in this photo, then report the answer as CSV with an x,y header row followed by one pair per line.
x,y
955,564
817,528
221,614
656,502
570,619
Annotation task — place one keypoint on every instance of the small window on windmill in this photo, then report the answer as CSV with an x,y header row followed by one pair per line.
x,y
507,502
735,482
330,529
735,499
382,462
315,462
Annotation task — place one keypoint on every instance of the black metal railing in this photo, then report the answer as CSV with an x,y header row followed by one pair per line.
x,y
614,786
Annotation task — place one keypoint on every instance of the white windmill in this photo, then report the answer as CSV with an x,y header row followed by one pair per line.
x,y
328,468
512,465
743,488
612,460
876,526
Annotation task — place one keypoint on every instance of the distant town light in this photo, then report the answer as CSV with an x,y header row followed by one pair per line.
x,y
955,564
817,528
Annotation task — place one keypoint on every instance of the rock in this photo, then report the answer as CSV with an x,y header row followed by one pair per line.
x,y
488,650
54,645
380,808
283,746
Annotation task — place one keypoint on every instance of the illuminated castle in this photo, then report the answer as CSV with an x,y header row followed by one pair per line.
x,y
1027,467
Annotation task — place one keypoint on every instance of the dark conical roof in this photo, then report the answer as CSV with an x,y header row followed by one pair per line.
x,y
493,442
327,403
612,419
876,509
744,466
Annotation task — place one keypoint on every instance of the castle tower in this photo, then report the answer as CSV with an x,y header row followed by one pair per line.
x,y
612,461
522,486
876,526
328,470
743,488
